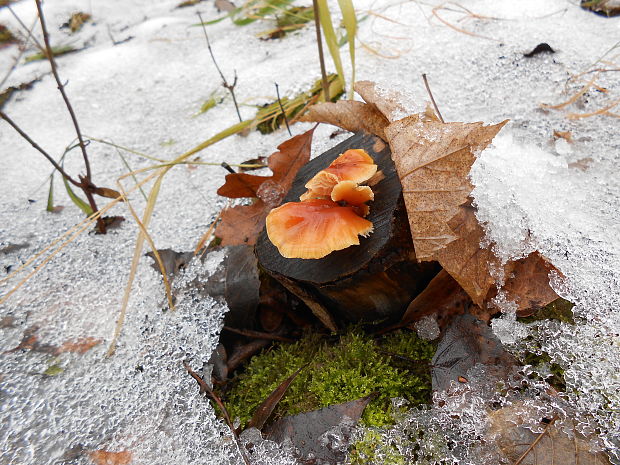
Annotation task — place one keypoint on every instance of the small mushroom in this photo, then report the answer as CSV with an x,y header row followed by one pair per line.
x,y
353,165
351,193
314,228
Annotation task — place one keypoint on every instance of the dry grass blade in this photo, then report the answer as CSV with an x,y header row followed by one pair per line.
x,y
146,218
456,28
350,23
601,111
330,38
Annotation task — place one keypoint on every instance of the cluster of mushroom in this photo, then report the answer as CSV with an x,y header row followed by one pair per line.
x,y
331,213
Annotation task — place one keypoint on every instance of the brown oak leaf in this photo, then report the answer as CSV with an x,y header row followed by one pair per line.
x,y
242,224
433,161
527,283
385,101
350,115
517,443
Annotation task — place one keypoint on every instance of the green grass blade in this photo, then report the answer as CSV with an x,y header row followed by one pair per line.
x,y
350,23
330,38
50,195
76,200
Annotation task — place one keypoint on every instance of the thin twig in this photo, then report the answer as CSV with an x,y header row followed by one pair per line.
x,y
428,89
5,117
227,167
61,88
86,183
28,30
538,438
282,109
317,26
204,387
230,87
22,49
257,334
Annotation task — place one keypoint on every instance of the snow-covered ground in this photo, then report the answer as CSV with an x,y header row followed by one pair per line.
x,y
533,191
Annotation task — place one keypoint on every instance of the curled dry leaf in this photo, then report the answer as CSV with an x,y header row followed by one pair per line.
x,y
241,224
385,101
350,115
519,445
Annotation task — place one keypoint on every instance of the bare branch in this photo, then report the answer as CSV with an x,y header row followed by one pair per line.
x,y
230,87
61,87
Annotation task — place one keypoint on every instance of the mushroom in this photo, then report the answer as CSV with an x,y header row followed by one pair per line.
x,y
353,165
314,228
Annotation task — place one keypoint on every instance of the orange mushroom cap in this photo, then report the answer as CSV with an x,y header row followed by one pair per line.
x,y
314,228
353,165
351,193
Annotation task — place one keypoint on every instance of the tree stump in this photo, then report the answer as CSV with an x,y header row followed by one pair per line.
x,y
374,281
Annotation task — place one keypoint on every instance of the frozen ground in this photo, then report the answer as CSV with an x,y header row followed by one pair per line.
x,y
534,192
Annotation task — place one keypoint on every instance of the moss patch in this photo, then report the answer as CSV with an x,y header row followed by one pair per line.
x,y
352,366
560,309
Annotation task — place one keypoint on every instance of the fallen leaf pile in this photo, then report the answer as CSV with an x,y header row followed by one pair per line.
x,y
433,160
240,225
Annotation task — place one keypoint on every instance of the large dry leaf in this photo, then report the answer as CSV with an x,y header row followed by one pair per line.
x,y
307,431
387,102
518,444
466,261
350,115
443,296
467,342
241,225
239,185
433,162
527,283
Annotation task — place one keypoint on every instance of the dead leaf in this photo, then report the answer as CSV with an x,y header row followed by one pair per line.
x,y
173,261
582,164
519,445
466,261
239,185
266,408
527,283
443,296
433,161
105,457
350,115
241,225
76,21
386,102
107,192
305,430
79,346
543,47
224,5
466,343
566,135
111,222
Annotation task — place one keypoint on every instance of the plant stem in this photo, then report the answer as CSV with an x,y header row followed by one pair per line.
x,y
282,109
319,42
428,89
86,185
230,87
61,87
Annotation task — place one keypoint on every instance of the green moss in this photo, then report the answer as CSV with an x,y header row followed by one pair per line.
x,y
560,309
541,362
372,449
353,366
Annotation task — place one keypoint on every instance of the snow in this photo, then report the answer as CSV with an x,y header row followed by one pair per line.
x,y
533,192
